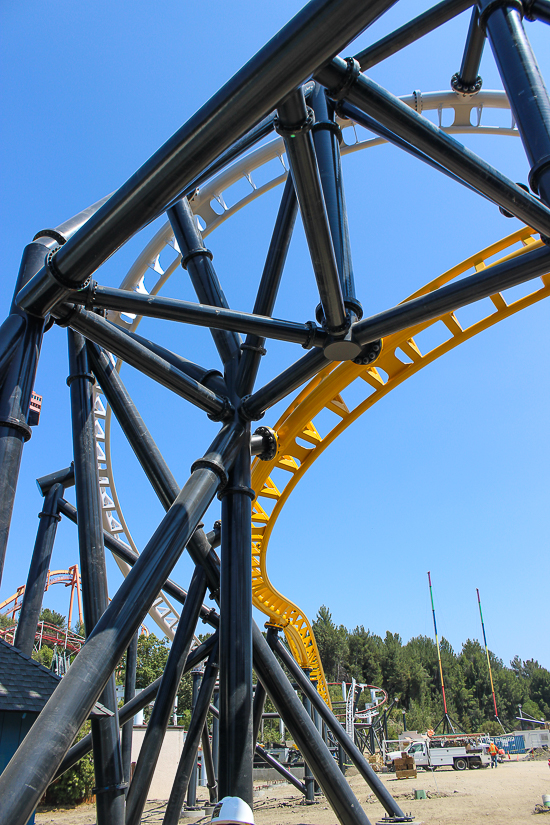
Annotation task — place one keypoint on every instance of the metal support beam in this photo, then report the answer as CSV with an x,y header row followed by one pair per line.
x,y
433,141
313,36
203,315
467,80
198,262
253,347
115,340
309,781
338,731
209,765
305,734
38,571
257,710
192,776
129,693
410,32
236,748
164,703
186,770
38,758
10,334
140,701
294,125
537,10
327,137
524,86
109,777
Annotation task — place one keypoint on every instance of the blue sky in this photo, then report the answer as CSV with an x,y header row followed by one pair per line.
x,y
449,473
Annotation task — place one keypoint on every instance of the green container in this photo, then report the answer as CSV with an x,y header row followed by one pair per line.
x,y
420,794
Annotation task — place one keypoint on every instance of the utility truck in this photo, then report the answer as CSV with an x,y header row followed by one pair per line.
x,y
459,751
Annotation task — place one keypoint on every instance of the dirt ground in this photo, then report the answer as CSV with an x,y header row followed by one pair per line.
x,y
505,796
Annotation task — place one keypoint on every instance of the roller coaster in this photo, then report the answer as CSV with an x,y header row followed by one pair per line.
x,y
318,106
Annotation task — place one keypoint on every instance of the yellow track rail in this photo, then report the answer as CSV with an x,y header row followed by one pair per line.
x,y
300,442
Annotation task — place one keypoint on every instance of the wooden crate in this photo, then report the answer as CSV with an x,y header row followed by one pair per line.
x,y
406,774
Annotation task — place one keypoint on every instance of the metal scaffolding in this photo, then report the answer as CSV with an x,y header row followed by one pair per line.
x,y
296,87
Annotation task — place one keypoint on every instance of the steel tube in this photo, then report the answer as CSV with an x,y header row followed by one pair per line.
x,y
188,759
115,340
209,765
434,142
128,711
36,761
172,309
448,298
216,731
236,747
38,571
256,404
192,775
318,32
15,393
133,427
198,262
10,335
109,777
410,32
213,379
208,614
467,81
345,109
253,347
326,139
127,728
305,734
258,710
524,87
164,703
295,127
338,731
537,10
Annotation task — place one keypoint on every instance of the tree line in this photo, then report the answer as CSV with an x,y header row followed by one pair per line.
x,y
410,672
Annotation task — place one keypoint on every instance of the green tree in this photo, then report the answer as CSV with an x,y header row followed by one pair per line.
x,y
52,617
539,690
76,784
332,642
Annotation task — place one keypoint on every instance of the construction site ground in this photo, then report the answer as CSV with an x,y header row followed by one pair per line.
x,y
507,795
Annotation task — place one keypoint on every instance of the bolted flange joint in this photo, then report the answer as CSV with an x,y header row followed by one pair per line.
x,y
225,413
289,131
264,443
369,353
245,413
466,89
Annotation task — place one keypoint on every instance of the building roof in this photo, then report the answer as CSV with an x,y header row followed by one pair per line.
x,y
26,685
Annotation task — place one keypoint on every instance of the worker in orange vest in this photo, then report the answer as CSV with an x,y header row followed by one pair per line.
x,y
493,750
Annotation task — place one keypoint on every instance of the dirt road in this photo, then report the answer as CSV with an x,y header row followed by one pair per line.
x,y
505,796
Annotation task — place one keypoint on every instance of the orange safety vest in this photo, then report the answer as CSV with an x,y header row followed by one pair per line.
x,y
493,748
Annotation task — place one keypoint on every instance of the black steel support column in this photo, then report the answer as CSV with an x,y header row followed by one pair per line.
x,y
164,703
108,335
186,771
198,262
127,729
192,778
10,335
140,701
257,710
309,781
38,757
15,391
338,731
326,138
433,141
524,86
216,732
467,80
410,32
38,571
236,747
537,10
211,780
253,347
305,734
105,732
294,125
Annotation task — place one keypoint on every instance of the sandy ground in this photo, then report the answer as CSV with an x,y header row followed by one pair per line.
x,y
505,796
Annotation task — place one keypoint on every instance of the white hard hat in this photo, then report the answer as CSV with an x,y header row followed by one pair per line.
x,y
232,811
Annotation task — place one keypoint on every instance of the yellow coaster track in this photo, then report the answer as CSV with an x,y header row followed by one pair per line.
x,y
300,442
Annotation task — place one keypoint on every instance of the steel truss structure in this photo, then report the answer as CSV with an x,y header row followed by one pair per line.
x,y
297,87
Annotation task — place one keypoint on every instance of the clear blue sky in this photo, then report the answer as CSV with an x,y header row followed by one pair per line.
x,y
449,473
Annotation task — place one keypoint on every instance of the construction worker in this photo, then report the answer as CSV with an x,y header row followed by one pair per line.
x,y
493,750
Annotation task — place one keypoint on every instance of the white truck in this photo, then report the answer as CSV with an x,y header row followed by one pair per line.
x,y
459,751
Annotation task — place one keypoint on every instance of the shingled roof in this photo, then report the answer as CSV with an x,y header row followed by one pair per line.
x,y
26,685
